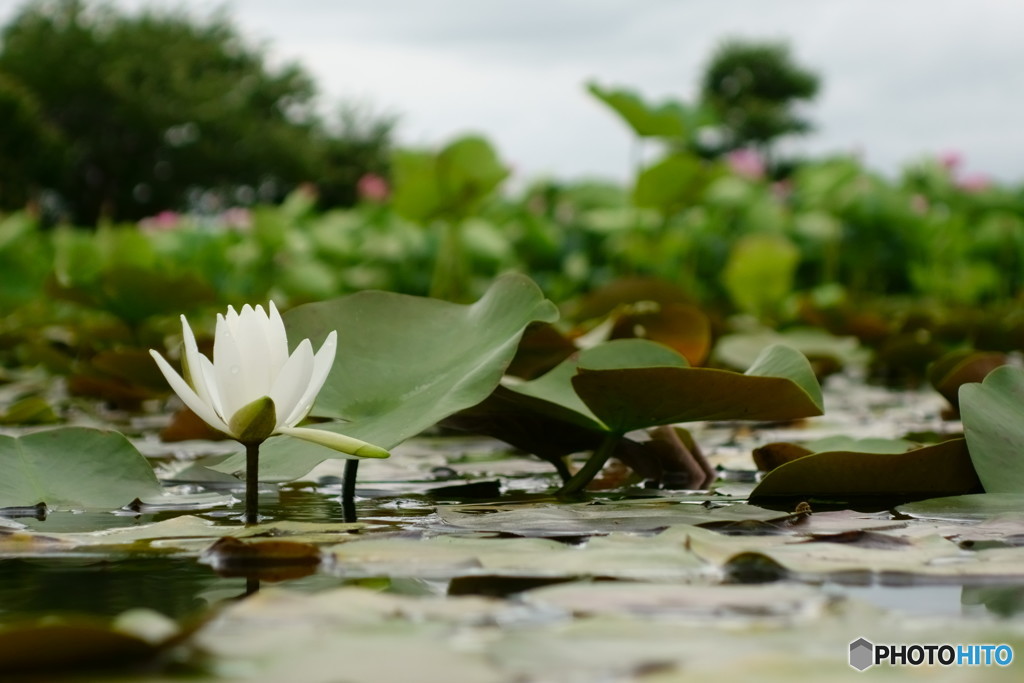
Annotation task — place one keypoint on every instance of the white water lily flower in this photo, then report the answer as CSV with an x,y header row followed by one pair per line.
x,y
254,389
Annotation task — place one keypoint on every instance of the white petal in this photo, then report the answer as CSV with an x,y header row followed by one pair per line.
x,y
210,376
251,338
228,370
195,377
354,448
231,318
292,382
277,341
322,363
189,397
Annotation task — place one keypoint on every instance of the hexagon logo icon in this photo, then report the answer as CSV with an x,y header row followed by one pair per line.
x,y
862,654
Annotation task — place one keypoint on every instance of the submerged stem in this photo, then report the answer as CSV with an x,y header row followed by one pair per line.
x,y
572,488
348,491
252,483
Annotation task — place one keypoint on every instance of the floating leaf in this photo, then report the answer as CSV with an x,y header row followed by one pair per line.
x,y
992,413
618,555
74,467
266,559
547,519
628,384
70,645
779,386
973,507
964,366
682,327
403,364
939,470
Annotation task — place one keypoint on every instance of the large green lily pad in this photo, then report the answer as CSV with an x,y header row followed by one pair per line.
x,y
403,364
992,413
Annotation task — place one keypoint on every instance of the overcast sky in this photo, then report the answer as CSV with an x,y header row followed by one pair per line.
x,y
901,78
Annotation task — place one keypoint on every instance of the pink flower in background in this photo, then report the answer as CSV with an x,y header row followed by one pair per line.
x,y
746,163
373,188
165,220
237,218
974,182
951,160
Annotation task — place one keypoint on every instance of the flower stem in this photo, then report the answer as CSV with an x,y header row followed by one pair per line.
x,y
348,491
252,483
571,489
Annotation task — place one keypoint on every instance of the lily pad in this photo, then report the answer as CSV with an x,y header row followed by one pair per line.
x,y
938,470
991,413
404,363
960,367
978,506
780,385
75,467
629,384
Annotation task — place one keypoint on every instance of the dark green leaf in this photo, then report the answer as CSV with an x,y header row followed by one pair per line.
x,y
940,470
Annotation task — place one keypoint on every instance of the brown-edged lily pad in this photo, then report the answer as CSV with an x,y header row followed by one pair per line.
x,y
960,367
780,385
939,470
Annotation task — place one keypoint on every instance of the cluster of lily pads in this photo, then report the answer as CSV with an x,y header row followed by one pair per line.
x,y
406,363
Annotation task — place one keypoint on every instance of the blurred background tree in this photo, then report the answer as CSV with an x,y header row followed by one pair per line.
x,y
160,110
357,143
755,89
30,148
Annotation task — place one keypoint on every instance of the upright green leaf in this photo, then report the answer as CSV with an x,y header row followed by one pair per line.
x,y
992,413
668,120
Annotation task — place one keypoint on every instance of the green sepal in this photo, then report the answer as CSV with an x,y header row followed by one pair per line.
x,y
254,422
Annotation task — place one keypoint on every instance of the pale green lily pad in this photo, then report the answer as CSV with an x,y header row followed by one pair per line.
x,y
591,518
778,633
933,557
185,532
618,555
403,364
651,515
675,600
77,467
972,507
992,413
